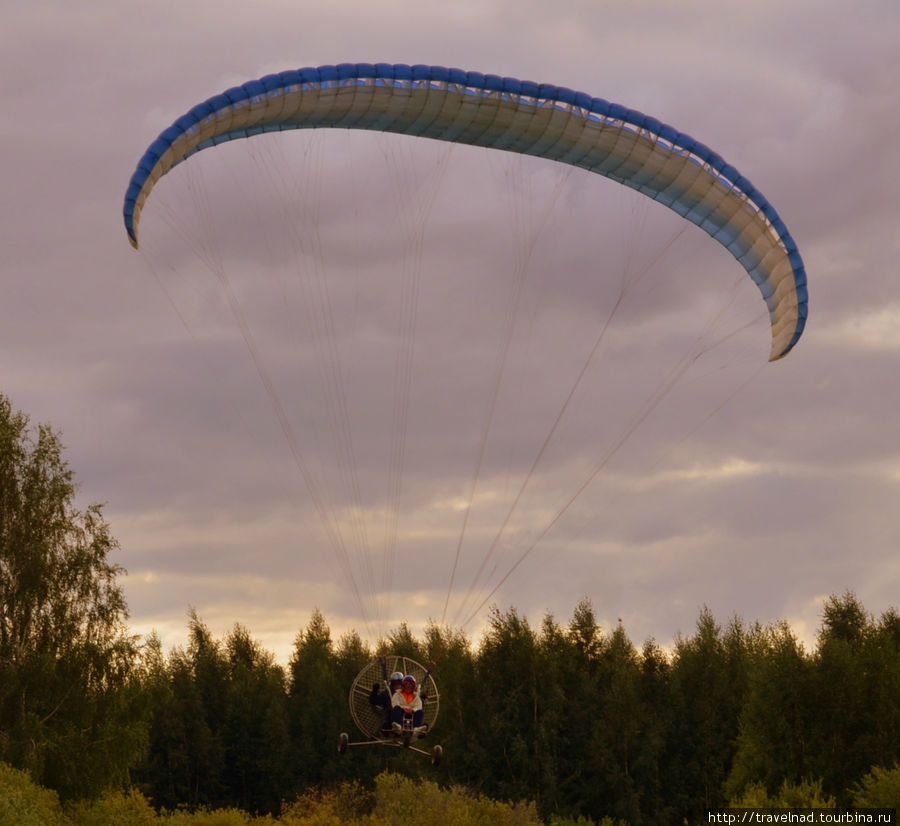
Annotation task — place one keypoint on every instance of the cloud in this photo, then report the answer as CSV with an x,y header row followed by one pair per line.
x,y
874,329
752,488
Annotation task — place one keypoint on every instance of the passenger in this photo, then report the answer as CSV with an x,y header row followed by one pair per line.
x,y
407,700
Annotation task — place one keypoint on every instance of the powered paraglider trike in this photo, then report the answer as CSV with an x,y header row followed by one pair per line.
x,y
369,716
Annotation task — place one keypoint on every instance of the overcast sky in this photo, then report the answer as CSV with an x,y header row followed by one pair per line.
x,y
756,489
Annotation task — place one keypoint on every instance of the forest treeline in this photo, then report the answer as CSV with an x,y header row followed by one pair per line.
x,y
572,717
569,715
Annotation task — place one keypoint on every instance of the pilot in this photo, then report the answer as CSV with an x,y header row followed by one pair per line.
x,y
407,700
381,698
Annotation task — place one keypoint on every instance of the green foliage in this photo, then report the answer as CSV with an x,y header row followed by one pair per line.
x,y
347,803
508,696
455,672
220,732
402,643
24,803
213,817
844,621
114,808
708,685
857,683
806,794
256,741
831,714
401,800
395,799
775,746
880,788
579,725
68,684
618,729
317,704
186,760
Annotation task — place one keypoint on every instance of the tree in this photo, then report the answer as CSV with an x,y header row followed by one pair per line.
x,y
568,662
708,684
185,763
857,671
505,704
67,664
401,643
773,745
617,737
317,702
656,805
454,673
256,733
880,788
845,620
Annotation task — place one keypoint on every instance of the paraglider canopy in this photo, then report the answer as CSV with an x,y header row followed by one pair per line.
x,y
518,116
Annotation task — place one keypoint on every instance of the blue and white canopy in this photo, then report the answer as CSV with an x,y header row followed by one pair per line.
x,y
518,116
